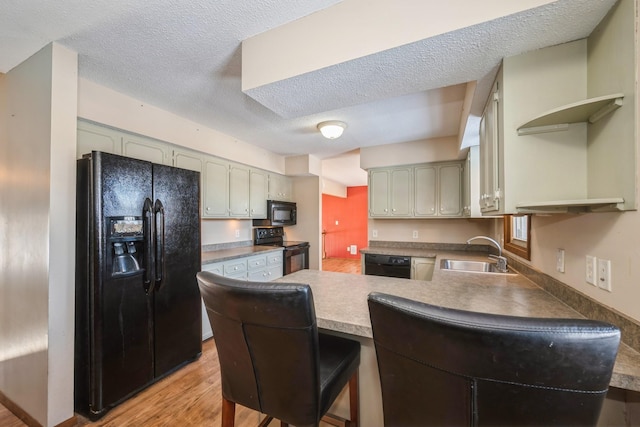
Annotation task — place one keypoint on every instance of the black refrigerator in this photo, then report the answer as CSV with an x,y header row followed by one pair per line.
x,y
138,307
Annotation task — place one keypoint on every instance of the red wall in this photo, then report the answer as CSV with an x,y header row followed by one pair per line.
x,y
351,214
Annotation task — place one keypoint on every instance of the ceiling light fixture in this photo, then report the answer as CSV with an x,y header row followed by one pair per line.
x,y
332,129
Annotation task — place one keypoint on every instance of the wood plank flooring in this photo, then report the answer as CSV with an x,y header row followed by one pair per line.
x,y
7,419
189,397
342,265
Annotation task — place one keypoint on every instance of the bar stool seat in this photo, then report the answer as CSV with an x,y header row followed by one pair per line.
x,y
272,357
445,367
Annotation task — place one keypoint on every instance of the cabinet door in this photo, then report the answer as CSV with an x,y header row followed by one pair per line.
x,y
188,160
280,187
422,268
489,185
147,149
238,191
450,190
216,189
97,138
400,195
466,187
379,193
258,182
425,190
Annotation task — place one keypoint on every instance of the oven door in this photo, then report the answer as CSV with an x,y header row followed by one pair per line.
x,y
296,258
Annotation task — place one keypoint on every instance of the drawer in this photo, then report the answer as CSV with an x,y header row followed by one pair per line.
x,y
257,262
235,268
258,276
274,259
275,271
215,268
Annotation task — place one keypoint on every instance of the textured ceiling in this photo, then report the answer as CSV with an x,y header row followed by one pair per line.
x,y
185,57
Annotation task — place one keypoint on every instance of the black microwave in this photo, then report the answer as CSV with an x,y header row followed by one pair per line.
x,y
279,213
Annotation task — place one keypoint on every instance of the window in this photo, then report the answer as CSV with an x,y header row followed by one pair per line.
x,y
517,230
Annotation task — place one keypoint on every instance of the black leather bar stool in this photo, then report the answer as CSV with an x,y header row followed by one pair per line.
x,y
445,367
272,358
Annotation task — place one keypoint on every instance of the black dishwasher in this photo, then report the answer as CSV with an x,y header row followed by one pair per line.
x,y
387,265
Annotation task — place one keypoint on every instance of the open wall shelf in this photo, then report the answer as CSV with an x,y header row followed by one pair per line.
x,y
589,110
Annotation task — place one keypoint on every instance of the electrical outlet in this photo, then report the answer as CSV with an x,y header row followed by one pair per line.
x,y
604,274
415,234
560,260
237,233
590,272
375,233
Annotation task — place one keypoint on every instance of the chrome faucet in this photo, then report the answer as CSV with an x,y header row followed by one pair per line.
x,y
501,264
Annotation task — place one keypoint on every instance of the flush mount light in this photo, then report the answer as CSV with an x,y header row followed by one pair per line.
x,y
332,129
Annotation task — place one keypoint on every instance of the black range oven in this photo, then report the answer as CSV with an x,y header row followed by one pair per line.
x,y
296,254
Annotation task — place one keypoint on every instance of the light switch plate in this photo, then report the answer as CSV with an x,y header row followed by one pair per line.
x,y
604,274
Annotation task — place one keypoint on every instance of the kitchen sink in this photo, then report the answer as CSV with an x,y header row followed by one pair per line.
x,y
468,266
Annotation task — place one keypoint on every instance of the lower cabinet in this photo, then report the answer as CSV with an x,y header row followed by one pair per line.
x,y
422,268
254,268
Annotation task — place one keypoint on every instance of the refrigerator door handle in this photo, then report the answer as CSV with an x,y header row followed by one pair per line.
x,y
149,255
159,222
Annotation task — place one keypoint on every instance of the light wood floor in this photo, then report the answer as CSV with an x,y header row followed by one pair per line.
x,y
188,397
342,265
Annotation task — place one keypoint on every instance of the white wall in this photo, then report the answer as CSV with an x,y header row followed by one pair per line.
x,y
333,188
37,190
425,151
612,236
224,231
429,230
308,196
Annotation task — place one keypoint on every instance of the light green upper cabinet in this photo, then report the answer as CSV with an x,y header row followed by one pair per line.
x,y
187,159
565,121
390,192
228,189
450,190
148,149
258,187
426,184
280,187
93,137
490,193
438,190
238,191
216,188
416,191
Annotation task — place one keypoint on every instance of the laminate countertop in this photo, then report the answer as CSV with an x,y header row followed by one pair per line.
x,y
341,300
209,257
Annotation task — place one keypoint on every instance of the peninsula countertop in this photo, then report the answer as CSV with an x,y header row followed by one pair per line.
x,y
341,301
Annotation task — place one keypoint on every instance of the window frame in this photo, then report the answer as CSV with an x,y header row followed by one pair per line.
x,y
523,251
